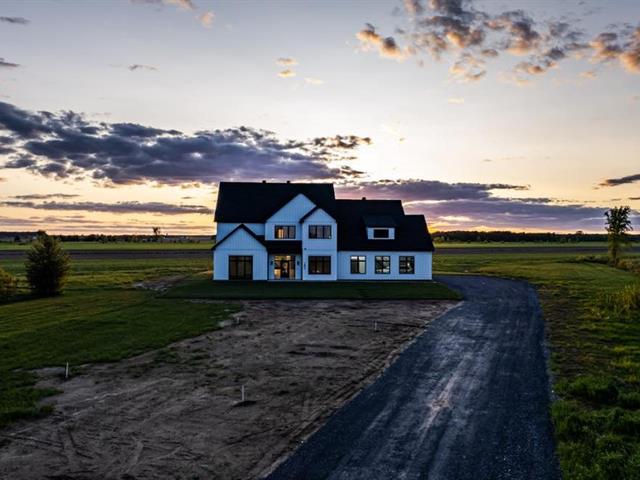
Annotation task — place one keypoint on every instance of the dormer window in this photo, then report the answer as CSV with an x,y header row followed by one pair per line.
x,y
283,232
380,233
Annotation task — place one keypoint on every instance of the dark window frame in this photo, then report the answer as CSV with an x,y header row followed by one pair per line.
x,y
385,262
319,264
320,232
403,264
241,266
358,261
377,233
288,232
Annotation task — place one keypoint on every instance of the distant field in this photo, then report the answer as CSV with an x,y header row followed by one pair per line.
x,y
118,246
518,244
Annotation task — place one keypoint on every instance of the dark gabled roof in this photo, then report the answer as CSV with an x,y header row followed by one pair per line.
x,y
379,221
311,212
239,227
411,232
249,202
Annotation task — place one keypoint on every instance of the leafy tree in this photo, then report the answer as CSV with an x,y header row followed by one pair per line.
x,y
47,266
157,233
618,224
8,285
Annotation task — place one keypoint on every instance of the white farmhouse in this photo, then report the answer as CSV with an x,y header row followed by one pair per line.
x,y
300,231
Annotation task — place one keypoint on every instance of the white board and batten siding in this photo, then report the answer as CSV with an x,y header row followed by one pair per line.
x,y
422,266
289,214
320,246
240,243
224,229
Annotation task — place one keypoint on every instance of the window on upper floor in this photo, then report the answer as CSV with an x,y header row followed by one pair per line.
x,y
380,233
320,231
282,232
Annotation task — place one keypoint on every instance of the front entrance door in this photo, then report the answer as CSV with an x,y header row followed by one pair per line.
x,y
284,267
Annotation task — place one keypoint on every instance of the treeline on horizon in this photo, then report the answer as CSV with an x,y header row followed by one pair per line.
x,y
467,236
463,236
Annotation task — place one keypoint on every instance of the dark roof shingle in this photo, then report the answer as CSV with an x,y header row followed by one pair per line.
x,y
249,202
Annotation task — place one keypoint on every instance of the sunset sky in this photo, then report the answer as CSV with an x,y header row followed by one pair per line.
x,y
118,116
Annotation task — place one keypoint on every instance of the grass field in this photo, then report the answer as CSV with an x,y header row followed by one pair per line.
x,y
595,359
101,317
118,246
201,286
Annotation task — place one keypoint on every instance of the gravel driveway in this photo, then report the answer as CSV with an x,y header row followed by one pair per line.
x,y
468,400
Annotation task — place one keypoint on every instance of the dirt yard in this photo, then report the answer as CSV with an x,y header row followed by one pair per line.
x,y
177,412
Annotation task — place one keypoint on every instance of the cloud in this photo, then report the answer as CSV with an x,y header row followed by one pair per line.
x,y
465,205
184,4
287,73
44,196
386,46
286,62
14,20
119,207
471,36
313,81
413,190
613,182
456,100
589,74
139,66
5,64
68,146
206,19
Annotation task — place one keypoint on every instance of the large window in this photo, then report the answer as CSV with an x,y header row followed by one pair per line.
x,y
407,264
320,231
380,233
240,267
383,264
320,265
358,264
285,231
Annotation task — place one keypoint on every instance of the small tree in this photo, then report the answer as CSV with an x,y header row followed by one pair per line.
x,y
618,225
47,266
157,233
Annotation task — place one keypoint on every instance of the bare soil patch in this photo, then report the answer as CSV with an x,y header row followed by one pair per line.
x,y
177,412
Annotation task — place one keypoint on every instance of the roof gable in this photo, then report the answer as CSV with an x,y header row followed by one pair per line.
x,y
411,233
292,209
249,202
240,229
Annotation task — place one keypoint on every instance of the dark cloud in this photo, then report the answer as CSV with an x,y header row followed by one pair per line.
x,y
470,205
613,182
44,196
14,20
120,207
422,190
471,36
5,64
66,145
140,66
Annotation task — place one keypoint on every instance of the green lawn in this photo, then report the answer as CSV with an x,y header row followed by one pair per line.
x,y
595,359
99,318
201,286
119,246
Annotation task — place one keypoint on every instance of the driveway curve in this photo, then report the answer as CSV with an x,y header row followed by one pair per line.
x,y
469,399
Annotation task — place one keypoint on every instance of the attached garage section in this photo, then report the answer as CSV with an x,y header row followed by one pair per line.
x,y
240,256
